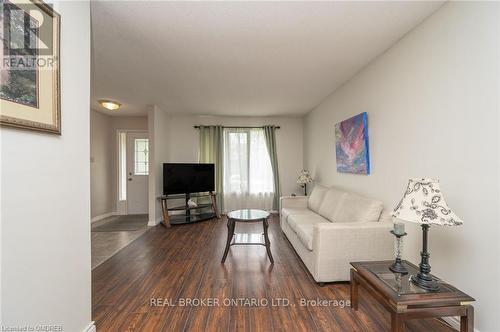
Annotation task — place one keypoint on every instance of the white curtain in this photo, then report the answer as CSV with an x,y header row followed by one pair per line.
x,y
248,176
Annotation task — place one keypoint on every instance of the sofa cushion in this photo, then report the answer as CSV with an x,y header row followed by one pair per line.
x,y
305,235
286,212
332,201
355,208
295,219
316,197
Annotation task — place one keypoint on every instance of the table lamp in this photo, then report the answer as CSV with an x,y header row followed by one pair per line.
x,y
303,179
423,203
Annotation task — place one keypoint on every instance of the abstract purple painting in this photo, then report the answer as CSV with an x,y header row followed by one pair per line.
x,y
351,145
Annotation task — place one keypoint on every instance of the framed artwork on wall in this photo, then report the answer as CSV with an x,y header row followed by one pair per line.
x,y
29,71
351,145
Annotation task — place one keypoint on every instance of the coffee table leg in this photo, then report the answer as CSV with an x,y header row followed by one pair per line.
x,y
467,321
265,223
230,233
397,322
354,291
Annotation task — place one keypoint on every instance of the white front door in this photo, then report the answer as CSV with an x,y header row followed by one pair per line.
x,y
137,172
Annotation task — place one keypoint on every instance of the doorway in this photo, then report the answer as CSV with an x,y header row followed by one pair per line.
x,y
133,172
137,161
113,233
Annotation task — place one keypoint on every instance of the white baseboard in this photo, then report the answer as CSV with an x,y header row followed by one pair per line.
x,y
91,327
152,223
103,216
455,323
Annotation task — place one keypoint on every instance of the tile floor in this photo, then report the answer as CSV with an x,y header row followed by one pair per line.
x,y
107,244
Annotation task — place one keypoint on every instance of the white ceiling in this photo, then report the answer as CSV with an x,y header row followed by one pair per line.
x,y
238,58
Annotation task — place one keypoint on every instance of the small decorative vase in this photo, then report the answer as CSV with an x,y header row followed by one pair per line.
x,y
397,266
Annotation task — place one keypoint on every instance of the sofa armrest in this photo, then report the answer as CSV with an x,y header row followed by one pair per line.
x,y
298,202
337,244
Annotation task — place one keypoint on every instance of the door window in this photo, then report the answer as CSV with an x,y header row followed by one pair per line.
x,y
141,156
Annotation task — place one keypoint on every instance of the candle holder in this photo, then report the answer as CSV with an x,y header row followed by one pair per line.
x,y
397,266
399,285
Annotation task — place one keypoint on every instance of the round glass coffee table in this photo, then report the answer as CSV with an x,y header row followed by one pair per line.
x,y
247,215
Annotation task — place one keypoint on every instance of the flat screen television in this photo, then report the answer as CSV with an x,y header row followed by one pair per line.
x,y
188,178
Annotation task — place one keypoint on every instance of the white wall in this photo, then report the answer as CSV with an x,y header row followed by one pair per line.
x,y
432,111
159,145
45,200
104,158
101,172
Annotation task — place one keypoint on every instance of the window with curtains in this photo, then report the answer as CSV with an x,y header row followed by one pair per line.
x,y
248,176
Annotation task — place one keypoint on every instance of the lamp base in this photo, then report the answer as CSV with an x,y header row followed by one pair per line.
x,y
398,267
425,281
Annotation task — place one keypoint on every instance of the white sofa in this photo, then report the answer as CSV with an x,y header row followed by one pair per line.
x,y
331,228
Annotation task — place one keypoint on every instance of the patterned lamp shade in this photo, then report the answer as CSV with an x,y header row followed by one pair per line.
x,y
304,177
423,203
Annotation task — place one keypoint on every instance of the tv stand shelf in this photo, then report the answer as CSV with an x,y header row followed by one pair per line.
x,y
192,214
183,207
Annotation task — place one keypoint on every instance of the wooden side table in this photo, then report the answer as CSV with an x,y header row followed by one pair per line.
x,y
247,215
404,300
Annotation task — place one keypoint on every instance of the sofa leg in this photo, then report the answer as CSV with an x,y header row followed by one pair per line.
x,y
321,284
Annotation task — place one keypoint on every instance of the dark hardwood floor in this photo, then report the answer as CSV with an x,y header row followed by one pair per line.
x,y
183,262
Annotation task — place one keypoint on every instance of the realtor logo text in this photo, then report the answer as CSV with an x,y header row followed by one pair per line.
x,y
245,302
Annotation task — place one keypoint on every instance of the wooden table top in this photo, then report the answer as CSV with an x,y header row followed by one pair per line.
x,y
399,289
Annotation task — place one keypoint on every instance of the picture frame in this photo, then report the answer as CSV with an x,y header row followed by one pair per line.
x,y
30,89
351,145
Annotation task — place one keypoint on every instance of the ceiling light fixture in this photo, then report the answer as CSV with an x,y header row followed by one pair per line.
x,y
110,104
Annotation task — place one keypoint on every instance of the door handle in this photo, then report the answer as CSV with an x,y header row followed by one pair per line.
x,y
130,179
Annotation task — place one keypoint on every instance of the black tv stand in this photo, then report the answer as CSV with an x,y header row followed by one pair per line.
x,y
184,214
